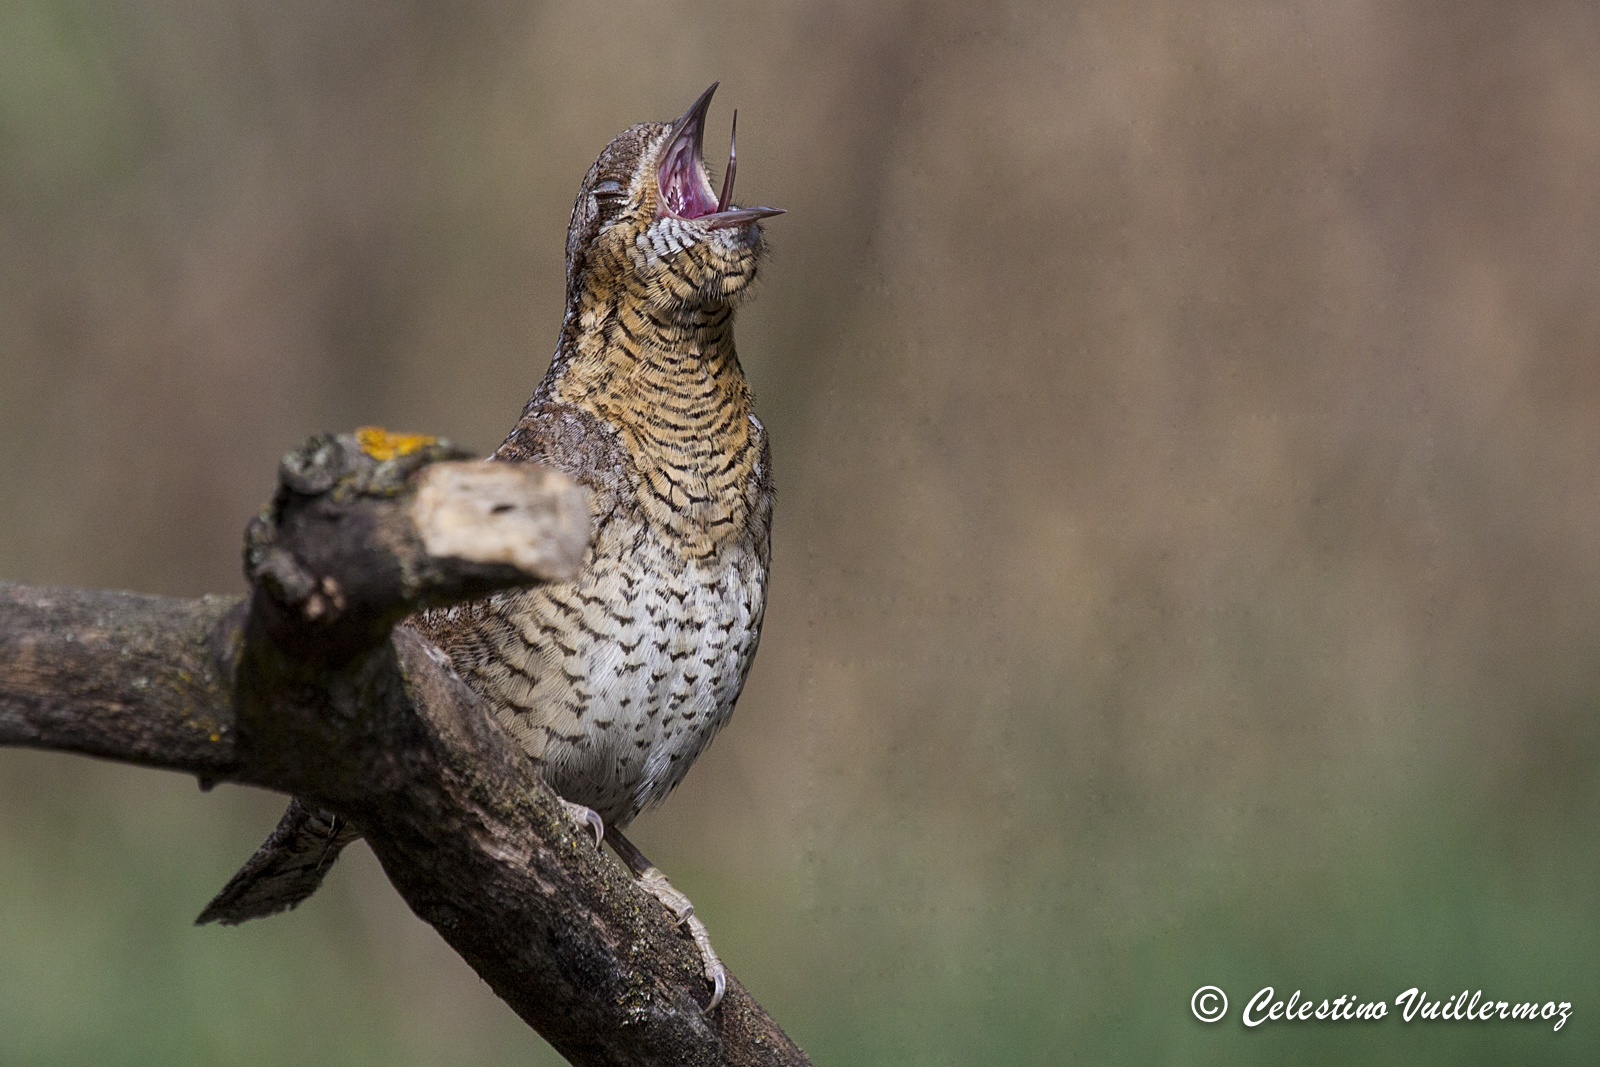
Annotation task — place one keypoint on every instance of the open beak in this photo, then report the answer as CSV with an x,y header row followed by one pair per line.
x,y
681,175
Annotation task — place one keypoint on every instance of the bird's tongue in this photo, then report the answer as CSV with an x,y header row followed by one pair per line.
x,y
685,192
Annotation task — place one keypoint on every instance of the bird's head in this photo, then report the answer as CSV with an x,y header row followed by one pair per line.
x,y
648,221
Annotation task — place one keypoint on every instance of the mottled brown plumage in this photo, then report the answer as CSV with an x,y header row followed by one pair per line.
x,y
614,682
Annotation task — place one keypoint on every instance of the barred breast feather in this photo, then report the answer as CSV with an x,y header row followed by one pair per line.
x,y
614,682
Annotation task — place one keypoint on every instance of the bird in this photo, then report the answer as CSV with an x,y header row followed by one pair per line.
x,y
615,681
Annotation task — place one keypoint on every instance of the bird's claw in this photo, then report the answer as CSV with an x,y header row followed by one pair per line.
x,y
655,883
682,909
716,974
586,819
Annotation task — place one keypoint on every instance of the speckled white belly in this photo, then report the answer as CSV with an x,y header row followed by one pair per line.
x,y
616,681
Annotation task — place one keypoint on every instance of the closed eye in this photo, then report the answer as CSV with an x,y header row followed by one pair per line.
x,y
610,198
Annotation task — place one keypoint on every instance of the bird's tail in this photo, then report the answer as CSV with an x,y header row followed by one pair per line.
x,y
286,869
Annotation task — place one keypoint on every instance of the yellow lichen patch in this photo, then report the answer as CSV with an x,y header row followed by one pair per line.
x,y
381,445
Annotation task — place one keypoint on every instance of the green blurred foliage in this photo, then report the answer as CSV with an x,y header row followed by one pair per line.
x,y
1186,557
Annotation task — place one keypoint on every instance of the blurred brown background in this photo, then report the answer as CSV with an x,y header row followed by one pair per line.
x,y
1186,566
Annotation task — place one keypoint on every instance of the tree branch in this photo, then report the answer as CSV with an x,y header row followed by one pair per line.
x,y
308,687
141,679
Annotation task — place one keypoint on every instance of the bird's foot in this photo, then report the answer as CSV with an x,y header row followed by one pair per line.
x,y
587,820
655,883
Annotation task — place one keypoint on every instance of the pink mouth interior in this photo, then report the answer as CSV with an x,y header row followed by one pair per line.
x,y
684,186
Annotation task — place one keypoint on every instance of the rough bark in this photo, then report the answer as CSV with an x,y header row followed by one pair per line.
x,y
307,686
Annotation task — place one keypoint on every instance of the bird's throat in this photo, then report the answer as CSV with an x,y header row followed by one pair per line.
x,y
671,384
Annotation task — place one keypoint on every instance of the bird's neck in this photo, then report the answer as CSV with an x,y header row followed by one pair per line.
x,y
669,380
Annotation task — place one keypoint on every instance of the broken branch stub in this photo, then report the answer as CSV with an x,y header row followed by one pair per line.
x,y
362,532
